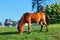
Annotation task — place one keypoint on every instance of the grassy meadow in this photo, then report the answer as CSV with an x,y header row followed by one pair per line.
x,y
11,33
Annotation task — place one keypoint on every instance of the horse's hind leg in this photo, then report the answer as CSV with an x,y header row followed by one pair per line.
x,y
46,25
46,28
41,24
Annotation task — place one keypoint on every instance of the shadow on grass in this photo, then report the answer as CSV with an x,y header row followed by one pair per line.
x,y
25,32
32,31
11,33
8,33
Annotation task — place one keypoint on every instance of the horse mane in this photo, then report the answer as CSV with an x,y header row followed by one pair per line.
x,y
21,19
23,16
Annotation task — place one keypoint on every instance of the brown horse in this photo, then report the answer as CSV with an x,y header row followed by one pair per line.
x,y
40,17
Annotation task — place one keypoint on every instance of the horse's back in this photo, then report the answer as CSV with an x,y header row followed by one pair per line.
x,y
33,17
41,15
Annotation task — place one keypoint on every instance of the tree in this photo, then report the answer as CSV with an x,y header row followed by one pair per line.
x,y
0,23
38,5
9,22
53,11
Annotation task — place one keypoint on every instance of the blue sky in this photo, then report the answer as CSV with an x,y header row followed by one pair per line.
x,y
14,9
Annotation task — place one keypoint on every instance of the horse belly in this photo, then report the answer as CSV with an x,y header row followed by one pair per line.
x,y
35,19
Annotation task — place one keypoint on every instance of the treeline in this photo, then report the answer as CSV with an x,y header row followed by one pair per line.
x,y
9,22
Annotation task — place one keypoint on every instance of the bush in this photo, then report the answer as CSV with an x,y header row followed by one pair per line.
x,y
54,12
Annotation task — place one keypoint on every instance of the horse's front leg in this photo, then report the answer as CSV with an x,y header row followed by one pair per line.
x,y
46,28
41,28
46,25
29,29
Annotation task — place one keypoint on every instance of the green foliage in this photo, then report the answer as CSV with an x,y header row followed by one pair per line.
x,y
10,33
54,12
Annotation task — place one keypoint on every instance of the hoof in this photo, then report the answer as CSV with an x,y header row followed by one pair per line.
x,y
20,33
29,32
46,31
40,31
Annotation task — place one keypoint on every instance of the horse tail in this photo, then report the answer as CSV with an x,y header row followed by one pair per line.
x,y
47,19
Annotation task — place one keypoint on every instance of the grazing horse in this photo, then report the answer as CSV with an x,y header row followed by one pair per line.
x,y
38,17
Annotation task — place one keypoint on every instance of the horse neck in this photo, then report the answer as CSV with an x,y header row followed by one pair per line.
x,y
21,22
20,25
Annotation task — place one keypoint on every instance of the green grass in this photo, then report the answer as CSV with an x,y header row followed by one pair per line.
x,y
11,33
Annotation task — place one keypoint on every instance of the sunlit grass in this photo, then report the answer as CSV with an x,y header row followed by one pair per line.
x,y
11,33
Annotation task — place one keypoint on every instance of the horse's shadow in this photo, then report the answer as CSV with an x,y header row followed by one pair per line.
x,y
32,31
16,32
8,33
